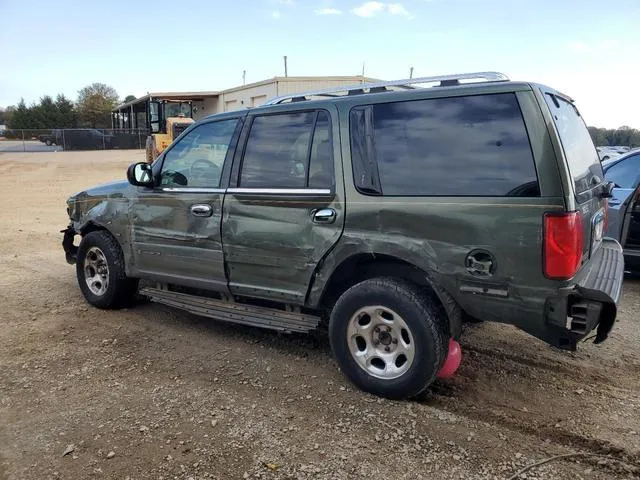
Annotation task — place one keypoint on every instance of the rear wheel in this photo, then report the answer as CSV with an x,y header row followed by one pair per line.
x,y
100,271
388,337
47,142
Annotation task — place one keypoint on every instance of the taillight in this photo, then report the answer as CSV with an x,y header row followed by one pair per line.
x,y
562,248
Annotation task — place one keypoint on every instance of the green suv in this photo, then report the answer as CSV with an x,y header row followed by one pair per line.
x,y
387,212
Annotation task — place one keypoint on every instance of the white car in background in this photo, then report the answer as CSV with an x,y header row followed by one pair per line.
x,y
610,152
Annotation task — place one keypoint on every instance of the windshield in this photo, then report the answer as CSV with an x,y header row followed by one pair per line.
x,y
582,157
176,109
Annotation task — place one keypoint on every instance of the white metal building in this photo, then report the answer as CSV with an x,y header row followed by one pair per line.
x,y
255,94
137,114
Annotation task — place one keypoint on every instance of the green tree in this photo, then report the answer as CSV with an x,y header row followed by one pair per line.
x,y
45,114
129,98
7,115
67,115
95,103
623,136
21,117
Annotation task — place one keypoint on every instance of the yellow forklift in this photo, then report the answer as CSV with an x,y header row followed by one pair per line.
x,y
167,120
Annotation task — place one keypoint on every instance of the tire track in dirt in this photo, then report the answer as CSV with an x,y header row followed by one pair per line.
x,y
572,441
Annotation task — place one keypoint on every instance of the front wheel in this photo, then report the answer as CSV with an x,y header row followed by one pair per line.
x,y
388,337
100,269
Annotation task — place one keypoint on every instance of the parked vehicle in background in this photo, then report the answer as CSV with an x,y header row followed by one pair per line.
x,y
52,138
610,152
350,207
624,206
87,139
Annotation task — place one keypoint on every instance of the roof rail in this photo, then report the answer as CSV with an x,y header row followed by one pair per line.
x,y
359,88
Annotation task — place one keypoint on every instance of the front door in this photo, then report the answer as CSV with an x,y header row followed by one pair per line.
x,y
176,226
284,210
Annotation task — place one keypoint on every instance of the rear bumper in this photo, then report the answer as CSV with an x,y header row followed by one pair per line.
x,y
590,302
606,274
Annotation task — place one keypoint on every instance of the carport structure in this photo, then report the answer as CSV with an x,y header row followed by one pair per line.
x,y
150,111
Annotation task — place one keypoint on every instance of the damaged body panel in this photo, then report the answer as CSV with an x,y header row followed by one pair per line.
x,y
105,207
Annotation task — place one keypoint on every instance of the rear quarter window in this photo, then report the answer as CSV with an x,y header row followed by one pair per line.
x,y
459,146
579,150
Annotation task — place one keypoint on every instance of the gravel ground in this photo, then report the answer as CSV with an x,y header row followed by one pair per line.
x,y
152,392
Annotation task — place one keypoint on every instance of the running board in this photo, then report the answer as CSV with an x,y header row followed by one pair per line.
x,y
271,318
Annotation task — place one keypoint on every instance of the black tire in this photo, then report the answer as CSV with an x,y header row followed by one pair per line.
x,y
423,317
120,289
47,143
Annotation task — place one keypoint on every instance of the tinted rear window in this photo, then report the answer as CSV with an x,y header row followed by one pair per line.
x,y
581,154
460,146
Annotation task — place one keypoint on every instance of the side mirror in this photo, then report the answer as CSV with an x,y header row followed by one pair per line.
x,y
607,191
140,174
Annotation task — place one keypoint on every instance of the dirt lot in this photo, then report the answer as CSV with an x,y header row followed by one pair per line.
x,y
151,392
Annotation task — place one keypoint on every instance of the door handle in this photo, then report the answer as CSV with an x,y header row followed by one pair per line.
x,y
201,210
324,215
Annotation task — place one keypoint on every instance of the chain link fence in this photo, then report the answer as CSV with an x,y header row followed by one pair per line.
x,y
66,139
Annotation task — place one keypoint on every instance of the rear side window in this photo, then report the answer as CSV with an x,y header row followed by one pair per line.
x,y
291,150
459,146
582,157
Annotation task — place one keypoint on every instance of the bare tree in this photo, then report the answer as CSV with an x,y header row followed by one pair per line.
x,y
95,103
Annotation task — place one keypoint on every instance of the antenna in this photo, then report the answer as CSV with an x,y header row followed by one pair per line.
x,y
285,66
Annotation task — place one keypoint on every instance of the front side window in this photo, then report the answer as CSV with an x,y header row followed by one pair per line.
x,y
459,146
177,109
625,173
291,150
197,159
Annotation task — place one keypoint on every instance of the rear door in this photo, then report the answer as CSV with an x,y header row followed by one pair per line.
x,y
585,169
625,174
284,209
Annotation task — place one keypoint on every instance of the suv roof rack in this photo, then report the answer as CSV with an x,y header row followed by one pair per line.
x,y
383,86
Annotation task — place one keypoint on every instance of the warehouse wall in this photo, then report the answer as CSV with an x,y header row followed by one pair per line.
x,y
247,97
293,85
207,107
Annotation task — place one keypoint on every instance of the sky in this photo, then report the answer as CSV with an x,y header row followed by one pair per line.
x,y
588,49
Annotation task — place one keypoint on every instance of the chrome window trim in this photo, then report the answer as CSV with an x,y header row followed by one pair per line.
x,y
193,190
281,191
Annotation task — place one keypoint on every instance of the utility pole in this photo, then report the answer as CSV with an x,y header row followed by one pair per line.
x,y
244,75
362,72
411,72
285,66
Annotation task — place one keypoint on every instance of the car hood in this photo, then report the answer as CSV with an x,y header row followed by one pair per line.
x,y
82,203
116,188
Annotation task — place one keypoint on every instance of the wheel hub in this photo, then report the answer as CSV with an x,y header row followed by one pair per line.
x,y
385,338
96,271
380,342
